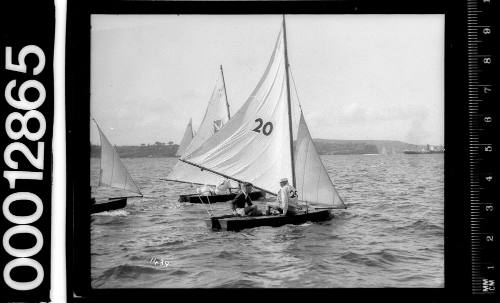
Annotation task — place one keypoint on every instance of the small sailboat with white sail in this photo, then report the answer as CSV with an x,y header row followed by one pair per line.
x,y
217,114
112,174
266,140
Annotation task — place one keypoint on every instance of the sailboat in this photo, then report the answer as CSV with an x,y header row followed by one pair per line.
x,y
186,139
217,114
112,174
266,140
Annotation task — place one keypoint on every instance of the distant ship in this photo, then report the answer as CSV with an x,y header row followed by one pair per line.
x,y
428,150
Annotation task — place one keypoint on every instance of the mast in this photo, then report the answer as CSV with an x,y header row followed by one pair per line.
x,y
225,93
289,103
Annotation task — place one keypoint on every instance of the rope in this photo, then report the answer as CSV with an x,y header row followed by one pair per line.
x,y
210,205
295,87
209,214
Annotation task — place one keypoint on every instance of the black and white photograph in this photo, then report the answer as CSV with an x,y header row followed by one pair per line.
x,y
267,151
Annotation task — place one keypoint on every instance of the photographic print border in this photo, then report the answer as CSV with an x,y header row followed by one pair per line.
x,y
457,272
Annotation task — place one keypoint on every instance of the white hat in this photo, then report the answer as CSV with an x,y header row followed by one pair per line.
x,y
284,180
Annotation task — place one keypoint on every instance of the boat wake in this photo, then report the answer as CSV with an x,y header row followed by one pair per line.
x,y
113,213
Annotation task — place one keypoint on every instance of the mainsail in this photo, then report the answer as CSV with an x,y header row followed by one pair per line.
x,y
216,116
112,171
186,139
255,145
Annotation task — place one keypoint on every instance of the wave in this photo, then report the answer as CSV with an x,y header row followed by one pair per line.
x,y
361,259
422,225
128,272
113,213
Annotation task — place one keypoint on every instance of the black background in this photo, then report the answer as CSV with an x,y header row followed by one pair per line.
x,y
24,23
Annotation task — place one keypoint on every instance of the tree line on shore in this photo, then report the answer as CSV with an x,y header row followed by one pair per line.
x,y
323,146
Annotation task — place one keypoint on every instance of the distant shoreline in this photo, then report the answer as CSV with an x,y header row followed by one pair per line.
x,y
323,146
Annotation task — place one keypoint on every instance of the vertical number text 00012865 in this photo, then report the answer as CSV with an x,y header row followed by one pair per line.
x,y
23,110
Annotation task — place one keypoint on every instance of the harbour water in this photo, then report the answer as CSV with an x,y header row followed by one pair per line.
x,y
391,234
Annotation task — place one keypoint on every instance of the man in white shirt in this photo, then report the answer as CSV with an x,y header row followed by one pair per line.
x,y
286,200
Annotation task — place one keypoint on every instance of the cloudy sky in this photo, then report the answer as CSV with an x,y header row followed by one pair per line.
x,y
375,77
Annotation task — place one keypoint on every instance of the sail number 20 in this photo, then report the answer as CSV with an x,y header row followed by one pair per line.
x,y
267,128
25,121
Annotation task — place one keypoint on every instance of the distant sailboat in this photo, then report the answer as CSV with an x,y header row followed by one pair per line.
x,y
257,145
112,174
217,114
186,139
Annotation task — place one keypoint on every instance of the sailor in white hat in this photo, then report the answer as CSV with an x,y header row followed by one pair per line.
x,y
286,200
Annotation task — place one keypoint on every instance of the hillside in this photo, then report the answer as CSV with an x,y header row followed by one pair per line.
x,y
143,151
324,147
345,147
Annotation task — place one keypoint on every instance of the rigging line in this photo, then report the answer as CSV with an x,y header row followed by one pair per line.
x,y
295,89
204,206
225,94
304,171
209,204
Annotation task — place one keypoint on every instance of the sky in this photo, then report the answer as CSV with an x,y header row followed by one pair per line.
x,y
358,77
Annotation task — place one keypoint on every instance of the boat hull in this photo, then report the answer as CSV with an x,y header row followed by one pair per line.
x,y
235,223
110,204
195,198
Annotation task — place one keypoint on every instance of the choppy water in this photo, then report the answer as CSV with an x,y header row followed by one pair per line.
x,y
391,235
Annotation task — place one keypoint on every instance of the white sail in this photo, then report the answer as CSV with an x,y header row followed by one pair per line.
x,y
186,139
312,181
112,172
216,116
254,146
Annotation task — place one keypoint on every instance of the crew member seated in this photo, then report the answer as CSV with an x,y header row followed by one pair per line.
x,y
243,198
286,200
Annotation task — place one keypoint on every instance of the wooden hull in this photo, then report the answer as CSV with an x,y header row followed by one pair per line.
x,y
195,198
110,204
235,223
